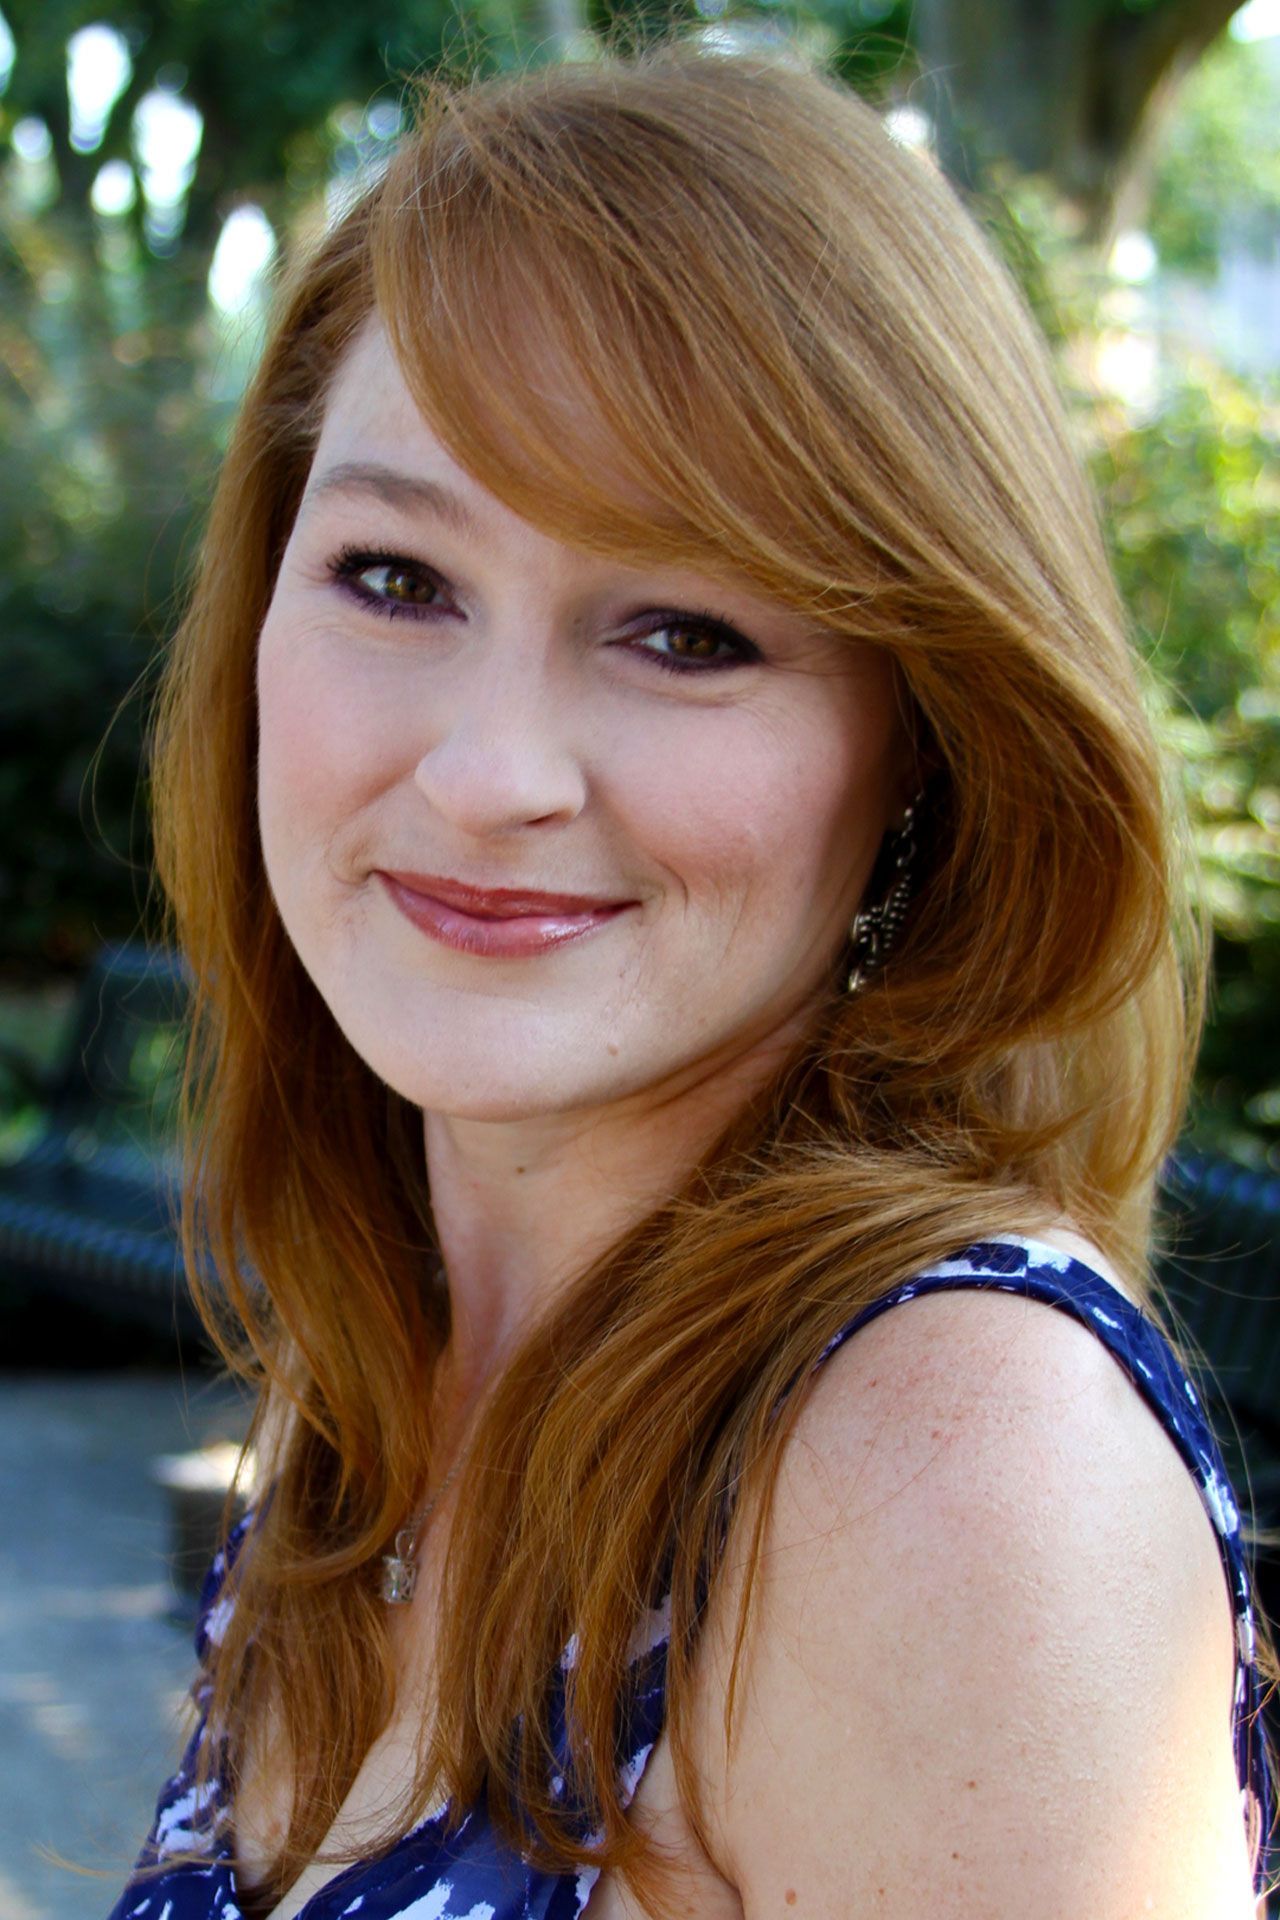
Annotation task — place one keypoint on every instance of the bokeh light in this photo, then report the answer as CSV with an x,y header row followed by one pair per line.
x,y
1259,20
167,131
115,189
98,71
245,250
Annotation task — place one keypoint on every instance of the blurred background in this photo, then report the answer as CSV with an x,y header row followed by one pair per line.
x,y
157,161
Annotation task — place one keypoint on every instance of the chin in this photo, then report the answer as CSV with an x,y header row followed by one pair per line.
x,y
497,1095
457,1062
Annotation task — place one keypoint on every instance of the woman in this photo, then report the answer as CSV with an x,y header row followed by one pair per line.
x,y
659,806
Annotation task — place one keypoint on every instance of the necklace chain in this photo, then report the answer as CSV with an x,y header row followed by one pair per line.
x,y
429,1505
400,1567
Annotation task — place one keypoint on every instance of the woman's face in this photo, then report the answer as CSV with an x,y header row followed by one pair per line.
x,y
547,830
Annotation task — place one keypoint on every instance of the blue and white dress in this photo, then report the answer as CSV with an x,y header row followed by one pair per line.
x,y
471,1874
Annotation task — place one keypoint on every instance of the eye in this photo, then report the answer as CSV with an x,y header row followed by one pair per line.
x,y
388,583
695,642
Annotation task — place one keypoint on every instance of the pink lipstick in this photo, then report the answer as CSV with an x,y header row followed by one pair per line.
x,y
499,922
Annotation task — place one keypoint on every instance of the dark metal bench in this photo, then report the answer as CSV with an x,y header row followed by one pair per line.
x,y
88,1211
1222,1273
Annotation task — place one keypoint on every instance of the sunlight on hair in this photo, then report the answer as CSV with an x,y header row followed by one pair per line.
x,y
909,126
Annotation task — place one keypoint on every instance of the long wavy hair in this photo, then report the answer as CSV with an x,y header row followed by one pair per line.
x,y
804,365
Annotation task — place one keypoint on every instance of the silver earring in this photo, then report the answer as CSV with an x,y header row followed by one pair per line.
x,y
875,928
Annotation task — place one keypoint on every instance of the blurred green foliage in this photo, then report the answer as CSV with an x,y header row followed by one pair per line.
x,y
1189,480
1193,505
109,453
1217,177
1192,493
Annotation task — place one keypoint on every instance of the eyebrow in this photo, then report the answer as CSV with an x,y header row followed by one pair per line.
x,y
405,490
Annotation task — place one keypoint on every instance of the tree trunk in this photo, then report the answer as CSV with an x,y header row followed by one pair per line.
x,y
1065,88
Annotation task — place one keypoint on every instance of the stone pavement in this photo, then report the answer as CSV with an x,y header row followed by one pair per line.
x,y
95,1648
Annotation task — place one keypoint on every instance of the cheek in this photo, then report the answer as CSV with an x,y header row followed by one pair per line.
x,y
325,749
773,820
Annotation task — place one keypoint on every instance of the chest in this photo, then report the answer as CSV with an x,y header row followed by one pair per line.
x,y
699,1888
389,1765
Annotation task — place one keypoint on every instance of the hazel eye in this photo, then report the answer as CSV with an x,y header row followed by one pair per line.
x,y
690,643
686,642
387,583
397,583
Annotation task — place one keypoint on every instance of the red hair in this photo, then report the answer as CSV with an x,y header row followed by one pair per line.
x,y
805,368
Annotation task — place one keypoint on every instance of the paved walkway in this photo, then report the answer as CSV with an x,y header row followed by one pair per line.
x,y
95,1652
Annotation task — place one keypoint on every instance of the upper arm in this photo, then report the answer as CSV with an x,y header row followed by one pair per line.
x,y
990,1668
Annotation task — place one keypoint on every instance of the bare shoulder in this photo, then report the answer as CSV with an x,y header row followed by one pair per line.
x,y
989,1668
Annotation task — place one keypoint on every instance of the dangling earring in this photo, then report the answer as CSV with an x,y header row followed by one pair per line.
x,y
875,928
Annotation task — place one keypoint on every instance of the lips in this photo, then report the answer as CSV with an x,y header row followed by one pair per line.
x,y
499,922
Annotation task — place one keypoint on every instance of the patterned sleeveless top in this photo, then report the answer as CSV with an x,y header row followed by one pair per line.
x,y
469,1873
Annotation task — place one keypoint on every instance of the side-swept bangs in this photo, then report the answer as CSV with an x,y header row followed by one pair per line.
x,y
715,316
702,311
663,320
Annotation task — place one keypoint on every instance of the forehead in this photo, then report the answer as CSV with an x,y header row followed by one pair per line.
x,y
370,400
369,403
375,438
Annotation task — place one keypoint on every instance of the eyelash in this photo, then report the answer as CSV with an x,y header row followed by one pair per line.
x,y
347,565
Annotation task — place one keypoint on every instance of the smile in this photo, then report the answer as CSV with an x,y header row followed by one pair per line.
x,y
496,922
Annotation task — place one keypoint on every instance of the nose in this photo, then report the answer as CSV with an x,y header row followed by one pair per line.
x,y
504,757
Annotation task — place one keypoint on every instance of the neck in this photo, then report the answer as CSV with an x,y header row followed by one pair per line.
x,y
523,1207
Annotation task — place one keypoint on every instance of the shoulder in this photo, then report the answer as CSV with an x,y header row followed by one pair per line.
x,y
991,1653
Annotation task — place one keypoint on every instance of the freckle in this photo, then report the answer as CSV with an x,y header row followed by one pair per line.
x,y
611,1047
971,1783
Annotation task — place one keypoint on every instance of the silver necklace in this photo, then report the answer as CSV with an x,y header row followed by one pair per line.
x,y
400,1568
